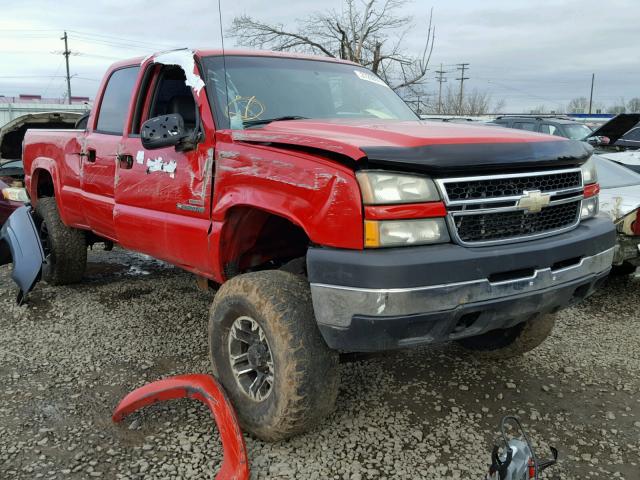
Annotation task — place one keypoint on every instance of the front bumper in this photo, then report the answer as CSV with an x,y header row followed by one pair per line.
x,y
385,299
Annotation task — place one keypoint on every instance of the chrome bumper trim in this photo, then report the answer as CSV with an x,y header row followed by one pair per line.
x,y
335,305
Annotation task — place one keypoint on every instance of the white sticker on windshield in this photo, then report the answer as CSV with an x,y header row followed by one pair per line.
x,y
370,77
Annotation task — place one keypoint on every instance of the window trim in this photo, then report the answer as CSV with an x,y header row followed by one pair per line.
x,y
104,91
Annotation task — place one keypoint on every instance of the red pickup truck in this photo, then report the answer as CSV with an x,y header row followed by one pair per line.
x,y
332,217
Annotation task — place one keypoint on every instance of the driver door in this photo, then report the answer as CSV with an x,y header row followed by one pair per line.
x,y
162,196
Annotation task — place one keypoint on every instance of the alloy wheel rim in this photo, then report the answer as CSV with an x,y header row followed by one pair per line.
x,y
250,358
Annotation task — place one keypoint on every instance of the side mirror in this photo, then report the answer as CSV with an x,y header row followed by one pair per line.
x,y
163,131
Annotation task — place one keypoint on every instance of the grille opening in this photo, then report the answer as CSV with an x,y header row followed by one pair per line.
x,y
582,291
466,321
511,275
569,262
563,196
512,224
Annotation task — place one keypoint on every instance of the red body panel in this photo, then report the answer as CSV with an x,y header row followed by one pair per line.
x,y
205,389
280,169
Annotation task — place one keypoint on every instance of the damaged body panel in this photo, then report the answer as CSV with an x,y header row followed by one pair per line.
x,y
204,388
20,244
620,200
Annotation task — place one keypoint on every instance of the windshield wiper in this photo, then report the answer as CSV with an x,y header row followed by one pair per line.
x,y
264,121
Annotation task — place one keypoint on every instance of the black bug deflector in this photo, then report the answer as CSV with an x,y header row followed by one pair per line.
x,y
481,157
19,241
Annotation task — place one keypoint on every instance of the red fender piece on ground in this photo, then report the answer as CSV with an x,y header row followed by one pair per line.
x,y
206,389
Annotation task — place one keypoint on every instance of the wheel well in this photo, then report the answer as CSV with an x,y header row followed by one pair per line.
x,y
255,239
44,183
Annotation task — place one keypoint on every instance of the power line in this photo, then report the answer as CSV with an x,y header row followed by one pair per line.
x,y
66,54
440,79
462,67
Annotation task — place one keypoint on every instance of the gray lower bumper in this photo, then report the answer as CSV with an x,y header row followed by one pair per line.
x,y
336,305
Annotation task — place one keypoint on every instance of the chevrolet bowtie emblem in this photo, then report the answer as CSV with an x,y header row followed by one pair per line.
x,y
533,200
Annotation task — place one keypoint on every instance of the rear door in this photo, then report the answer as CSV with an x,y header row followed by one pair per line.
x,y
99,151
163,196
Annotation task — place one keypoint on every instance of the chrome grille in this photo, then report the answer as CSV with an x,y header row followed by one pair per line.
x,y
510,186
488,209
513,224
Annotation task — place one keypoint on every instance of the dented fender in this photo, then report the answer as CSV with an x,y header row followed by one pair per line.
x,y
20,243
206,389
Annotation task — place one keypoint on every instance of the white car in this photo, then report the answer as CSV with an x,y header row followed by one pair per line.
x,y
620,199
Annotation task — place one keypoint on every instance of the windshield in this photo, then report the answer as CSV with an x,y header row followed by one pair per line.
x,y
612,175
262,88
576,131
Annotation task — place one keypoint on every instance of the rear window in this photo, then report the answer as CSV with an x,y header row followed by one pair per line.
x,y
115,101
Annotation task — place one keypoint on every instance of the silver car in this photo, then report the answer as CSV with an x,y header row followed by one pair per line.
x,y
620,199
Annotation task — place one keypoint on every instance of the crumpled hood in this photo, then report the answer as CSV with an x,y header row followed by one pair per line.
x,y
434,147
618,202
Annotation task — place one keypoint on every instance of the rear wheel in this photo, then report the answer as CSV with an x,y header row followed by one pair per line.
x,y
268,353
65,248
511,342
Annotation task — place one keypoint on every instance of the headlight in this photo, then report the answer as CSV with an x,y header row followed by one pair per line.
x,y
395,233
15,194
590,207
383,188
589,173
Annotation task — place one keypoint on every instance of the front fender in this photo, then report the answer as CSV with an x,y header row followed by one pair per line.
x,y
19,241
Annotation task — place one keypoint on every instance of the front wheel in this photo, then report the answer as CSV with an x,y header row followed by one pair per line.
x,y
268,353
511,342
65,248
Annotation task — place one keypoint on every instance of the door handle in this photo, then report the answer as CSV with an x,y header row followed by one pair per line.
x,y
90,155
126,161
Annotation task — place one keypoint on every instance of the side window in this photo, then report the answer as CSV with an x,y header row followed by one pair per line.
x,y
525,126
549,129
173,95
115,101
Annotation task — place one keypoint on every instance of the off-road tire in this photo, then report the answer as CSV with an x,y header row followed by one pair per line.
x,y
67,255
510,342
623,269
306,372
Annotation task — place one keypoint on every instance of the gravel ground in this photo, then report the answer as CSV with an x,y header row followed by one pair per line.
x,y
68,357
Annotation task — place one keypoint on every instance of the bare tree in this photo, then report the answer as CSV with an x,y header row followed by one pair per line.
x,y
634,105
539,110
578,105
618,107
475,102
368,32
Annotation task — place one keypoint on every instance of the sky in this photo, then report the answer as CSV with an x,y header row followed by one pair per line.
x,y
527,53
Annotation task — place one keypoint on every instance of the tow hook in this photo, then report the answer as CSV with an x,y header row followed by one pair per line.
x,y
206,389
515,459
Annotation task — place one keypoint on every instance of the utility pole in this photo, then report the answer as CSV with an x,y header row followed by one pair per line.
x,y
593,76
66,54
440,78
462,67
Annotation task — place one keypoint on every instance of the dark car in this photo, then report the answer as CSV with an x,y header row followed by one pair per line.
x,y
630,140
12,191
551,125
